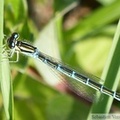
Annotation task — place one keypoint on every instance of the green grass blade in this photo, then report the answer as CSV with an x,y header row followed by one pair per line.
x,y
111,75
1,33
5,74
6,90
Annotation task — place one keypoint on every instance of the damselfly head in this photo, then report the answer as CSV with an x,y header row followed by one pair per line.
x,y
12,40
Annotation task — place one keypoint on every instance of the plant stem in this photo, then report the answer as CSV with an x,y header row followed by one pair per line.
x,y
6,86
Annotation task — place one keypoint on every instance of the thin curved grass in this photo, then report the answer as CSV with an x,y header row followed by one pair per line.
x,y
111,75
5,73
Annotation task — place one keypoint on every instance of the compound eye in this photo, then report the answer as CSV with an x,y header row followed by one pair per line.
x,y
12,45
11,41
15,35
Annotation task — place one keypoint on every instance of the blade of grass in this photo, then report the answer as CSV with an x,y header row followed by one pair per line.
x,y
5,74
111,75
1,32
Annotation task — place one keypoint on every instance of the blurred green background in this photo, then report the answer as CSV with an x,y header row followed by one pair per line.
x,y
80,33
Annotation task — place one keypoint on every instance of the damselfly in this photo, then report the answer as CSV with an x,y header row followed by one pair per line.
x,y
25,48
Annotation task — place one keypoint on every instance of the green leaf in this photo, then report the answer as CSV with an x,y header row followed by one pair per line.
x,y
93,23
6,86
60,7
16,10
111,75
35,100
